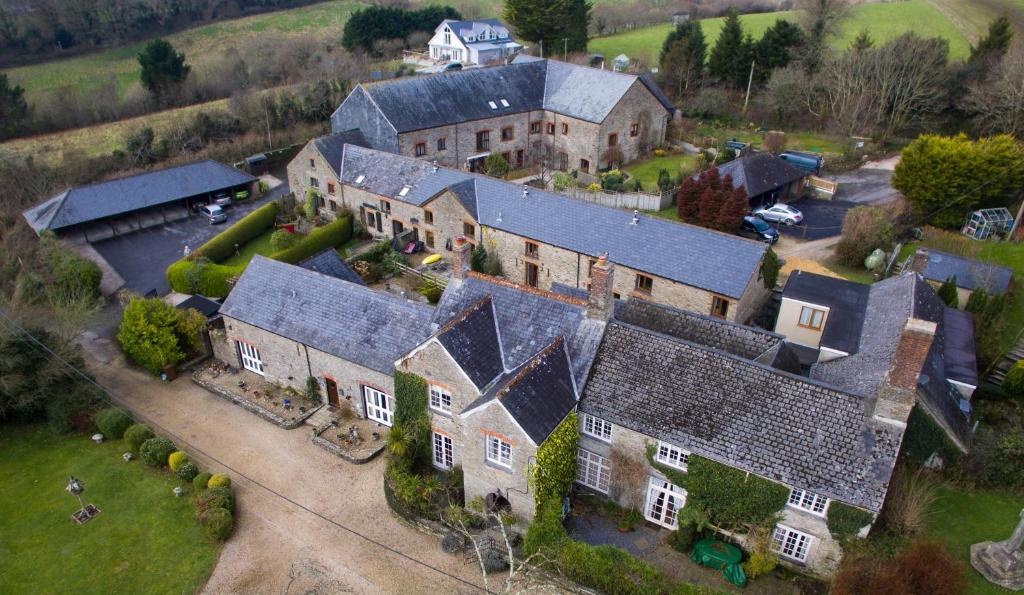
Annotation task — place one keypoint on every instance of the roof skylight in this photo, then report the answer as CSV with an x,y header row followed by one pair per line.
x,y
492,104
504,103
360,178
403,191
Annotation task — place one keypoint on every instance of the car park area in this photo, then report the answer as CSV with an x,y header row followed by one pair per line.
x,y
822,218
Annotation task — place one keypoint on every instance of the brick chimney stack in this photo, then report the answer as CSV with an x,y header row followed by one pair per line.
x,y
602,280
920,260
462,257
899,391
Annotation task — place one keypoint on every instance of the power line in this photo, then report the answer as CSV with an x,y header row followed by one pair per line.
x,y
111,398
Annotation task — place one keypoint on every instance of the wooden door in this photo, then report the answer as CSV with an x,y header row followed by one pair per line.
x,y
332,392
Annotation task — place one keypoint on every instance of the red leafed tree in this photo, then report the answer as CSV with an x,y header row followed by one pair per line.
x,y
710,201
710,204
689,200
734,207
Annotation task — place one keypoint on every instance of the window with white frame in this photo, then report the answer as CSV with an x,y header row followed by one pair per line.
x,y
440,399
672,456
592,471
443,451
251,359
499,452
598,428
791,543
809,501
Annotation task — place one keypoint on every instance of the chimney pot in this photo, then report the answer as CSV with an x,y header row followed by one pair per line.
x,y
601,302
898,394
461,258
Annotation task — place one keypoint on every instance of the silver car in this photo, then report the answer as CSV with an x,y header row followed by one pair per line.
x,y
214,213
781,213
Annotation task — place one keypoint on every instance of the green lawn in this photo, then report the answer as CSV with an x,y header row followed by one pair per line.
x,y
884,20
145,540
258,245
647,170
961,518
795,140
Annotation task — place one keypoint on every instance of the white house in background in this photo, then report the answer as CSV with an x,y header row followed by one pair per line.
x,y
472,42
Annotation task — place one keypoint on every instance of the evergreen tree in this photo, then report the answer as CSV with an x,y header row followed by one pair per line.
x,y
729,53
688,200
555,25
779,46
995,44
13,108
948,292
733,208
683,56
863,41
709,206
163,68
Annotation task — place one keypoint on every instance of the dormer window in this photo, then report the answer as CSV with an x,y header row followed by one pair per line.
x,y
360,178
470,38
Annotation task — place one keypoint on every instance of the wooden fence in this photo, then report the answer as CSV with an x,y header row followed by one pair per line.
x,y
429,277
822,187
623,200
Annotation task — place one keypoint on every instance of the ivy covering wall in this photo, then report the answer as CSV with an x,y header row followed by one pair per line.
x,y
411,416
556,461
924,437
844,521
730,497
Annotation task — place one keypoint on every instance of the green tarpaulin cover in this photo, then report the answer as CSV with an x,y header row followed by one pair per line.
x,y
720,556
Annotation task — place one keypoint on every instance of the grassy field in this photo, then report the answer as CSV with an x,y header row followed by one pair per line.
x,y
961,518
199,44
647,171
972,17
796,141
145,540
258,245
884,21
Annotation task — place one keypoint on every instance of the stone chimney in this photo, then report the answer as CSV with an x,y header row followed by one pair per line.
x,y
899,390
602,281
920,261
462,255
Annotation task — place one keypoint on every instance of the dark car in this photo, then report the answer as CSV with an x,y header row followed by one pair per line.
x,y
754,227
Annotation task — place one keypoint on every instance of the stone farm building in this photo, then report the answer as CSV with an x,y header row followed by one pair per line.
x,y
540,237
574,117
504,364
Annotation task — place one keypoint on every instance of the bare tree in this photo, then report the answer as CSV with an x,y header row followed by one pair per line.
x,y
997,104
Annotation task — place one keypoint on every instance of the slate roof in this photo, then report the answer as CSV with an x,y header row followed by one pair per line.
x,y
970,274
465,28
350,321
471,339
331,264
741,413
699,257
527,319
418,103
332,146
847,303
201,304
958,351
82,204
760,172
540,393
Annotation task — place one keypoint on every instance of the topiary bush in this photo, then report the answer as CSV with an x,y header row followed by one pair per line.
x,y
113,422
282,239
219,480
136,434
188,471
156,451
176,460
216,498
201,481
217,524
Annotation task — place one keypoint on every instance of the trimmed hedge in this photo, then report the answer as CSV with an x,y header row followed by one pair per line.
x,y
156,451
555,471
188,472
176,460
200,273
137,434
222,497
113,422
219,480
844,521
201,481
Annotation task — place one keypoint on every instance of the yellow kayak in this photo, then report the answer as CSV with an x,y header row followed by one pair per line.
x,y
432,259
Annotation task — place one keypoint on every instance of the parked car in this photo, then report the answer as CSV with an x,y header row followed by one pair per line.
x,y
222,199
780,213
451,67
755,228
214,213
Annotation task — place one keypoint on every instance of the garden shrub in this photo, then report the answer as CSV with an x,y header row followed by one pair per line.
x,y
74,277
282,238
313,389
924,566
947,292
910,500
562,181
219,480
864,229
113,422
845,521
1013,384
411,418
555,470
177,459
156,451
924,437
770,268
762,559
431,291
216,497
684,537
217,524
613,180
201,481
136,434
593,187
546,532
478,258
309,207
188,471
148,333
496,165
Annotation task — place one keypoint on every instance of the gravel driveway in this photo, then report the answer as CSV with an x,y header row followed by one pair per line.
x,y
277,546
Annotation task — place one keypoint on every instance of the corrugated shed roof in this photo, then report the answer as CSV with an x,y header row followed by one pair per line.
x,y
350,321
699,257
124,195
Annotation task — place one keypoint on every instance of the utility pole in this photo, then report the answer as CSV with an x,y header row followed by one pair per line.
x,y
750,81
266,111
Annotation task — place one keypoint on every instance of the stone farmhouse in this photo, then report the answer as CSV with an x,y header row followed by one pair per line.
x,y
486,41
573,117
540,237
505,363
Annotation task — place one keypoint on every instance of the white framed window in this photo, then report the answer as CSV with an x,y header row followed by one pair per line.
x,y
809,501
672,456
444,456
499,452
664,500
598,428
440,399
378,406
791,543
592,470
250,357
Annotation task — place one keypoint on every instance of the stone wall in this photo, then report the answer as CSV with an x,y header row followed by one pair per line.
x,y
483,477
637,106
300,172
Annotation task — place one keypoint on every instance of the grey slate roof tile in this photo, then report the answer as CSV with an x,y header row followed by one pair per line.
x,y
82,204
331,264
471,338
970,274
847,302
350,321
760,172
332,146
540,393
688,254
